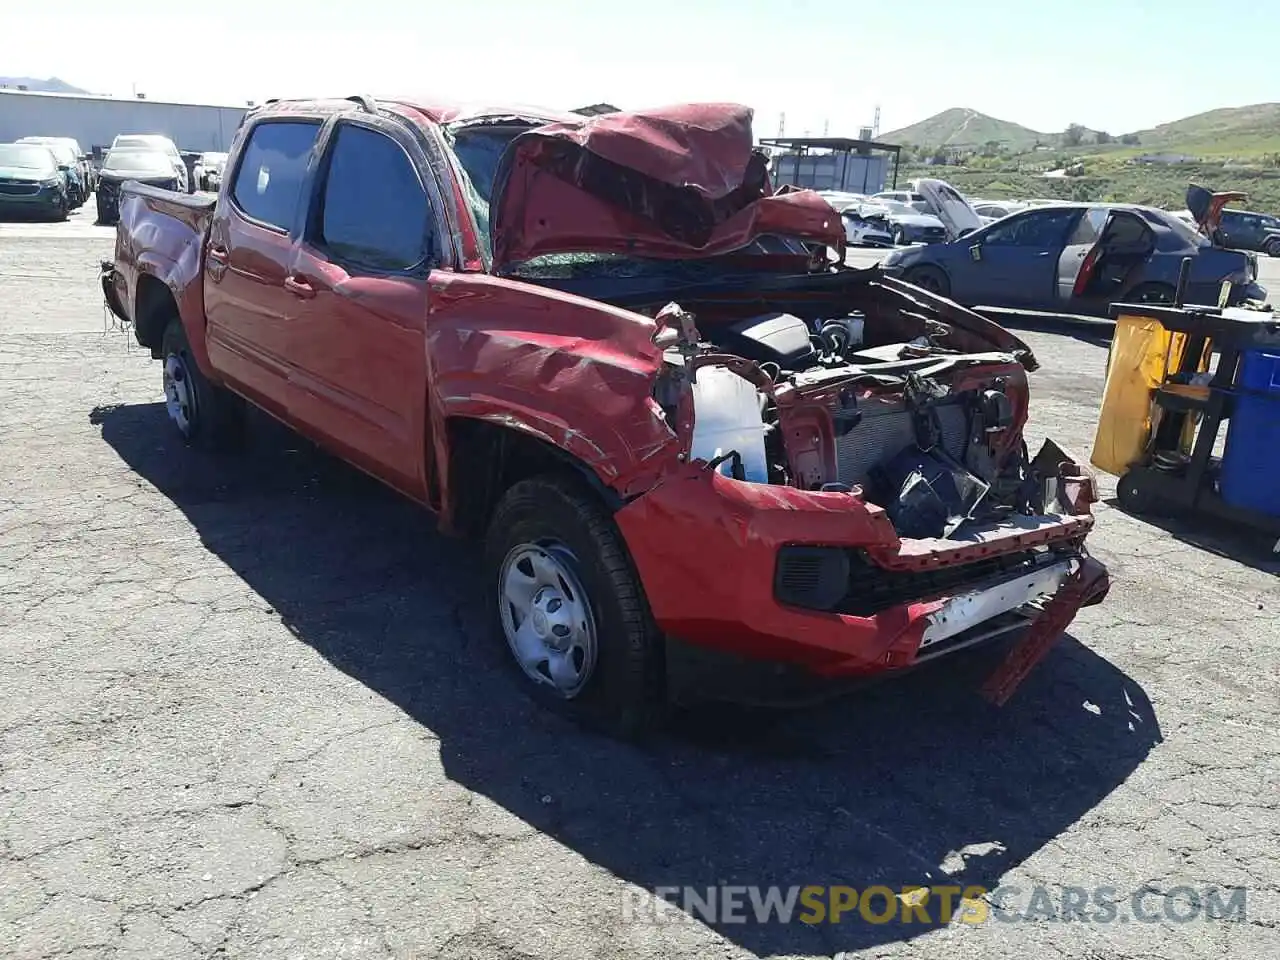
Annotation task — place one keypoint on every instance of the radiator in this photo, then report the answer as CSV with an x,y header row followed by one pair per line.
x,y
884,430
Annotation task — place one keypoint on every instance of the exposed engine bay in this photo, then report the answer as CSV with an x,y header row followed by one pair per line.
x,y
929,433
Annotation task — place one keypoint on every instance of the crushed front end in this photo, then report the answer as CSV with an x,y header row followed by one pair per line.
x,y
855,498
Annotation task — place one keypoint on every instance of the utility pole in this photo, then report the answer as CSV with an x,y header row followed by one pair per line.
x,y
782,124
875,124
826,126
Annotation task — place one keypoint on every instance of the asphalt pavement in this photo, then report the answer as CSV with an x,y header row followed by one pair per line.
x,y
249,711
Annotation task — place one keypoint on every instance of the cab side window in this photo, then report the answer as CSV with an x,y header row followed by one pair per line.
x,y
272,168
374,214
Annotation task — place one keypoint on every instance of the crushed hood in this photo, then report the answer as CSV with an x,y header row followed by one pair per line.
x,y
672,183
1205,206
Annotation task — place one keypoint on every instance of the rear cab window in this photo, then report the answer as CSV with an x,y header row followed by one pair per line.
x,y
373,214
271,171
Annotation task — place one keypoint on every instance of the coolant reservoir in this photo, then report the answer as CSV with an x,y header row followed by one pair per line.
x,y
726,410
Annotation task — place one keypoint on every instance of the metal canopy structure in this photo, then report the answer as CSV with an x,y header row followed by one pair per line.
x,y
800,146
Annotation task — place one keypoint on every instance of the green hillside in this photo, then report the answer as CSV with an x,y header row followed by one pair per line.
x,y
1233,148
962,127
1242,132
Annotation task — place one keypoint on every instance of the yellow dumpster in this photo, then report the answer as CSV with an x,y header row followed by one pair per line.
x,y
1142,354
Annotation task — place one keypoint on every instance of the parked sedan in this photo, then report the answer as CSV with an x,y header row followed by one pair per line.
x,y
1077,258
31,181
866,224
148,166
156,143
68,152
909,225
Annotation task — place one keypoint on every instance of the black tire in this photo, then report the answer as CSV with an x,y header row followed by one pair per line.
x,y
929,278
623,693
1136,498
212,417
1272,249
1158,294
61,211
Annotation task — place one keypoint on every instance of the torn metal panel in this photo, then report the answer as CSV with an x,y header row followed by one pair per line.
x,y
665,183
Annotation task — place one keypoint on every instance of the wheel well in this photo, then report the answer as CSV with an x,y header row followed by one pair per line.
x,y
486,460
154,307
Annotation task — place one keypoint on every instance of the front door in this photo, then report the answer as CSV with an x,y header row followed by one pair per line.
x,y
360,281
1015,262
247,257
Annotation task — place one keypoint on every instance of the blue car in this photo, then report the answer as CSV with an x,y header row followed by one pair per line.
x,y
1077,258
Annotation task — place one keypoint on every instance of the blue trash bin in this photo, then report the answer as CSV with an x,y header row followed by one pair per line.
x,y
1251,459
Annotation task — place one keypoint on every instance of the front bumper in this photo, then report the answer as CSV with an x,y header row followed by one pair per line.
x,y
45,200
707,547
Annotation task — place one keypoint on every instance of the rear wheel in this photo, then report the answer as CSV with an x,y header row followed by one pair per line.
x,y
1272,249
929,278
570,609
205,414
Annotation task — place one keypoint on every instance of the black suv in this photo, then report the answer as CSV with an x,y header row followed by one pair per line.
x,y
1243,230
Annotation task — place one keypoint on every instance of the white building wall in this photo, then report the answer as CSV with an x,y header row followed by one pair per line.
x,y
97,120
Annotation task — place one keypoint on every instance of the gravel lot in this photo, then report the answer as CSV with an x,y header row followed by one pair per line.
x,y
248,713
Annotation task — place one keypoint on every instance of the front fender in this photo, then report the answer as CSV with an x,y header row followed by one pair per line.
x,y
572,372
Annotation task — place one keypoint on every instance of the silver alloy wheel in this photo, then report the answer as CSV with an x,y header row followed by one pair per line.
x,y
179,396
546,616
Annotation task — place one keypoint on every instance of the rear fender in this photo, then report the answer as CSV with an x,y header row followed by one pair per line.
x,y
168,250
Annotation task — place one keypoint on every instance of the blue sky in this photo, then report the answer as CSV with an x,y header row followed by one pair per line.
x,y
1118,65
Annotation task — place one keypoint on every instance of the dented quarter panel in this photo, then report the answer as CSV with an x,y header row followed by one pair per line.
x,y
161,234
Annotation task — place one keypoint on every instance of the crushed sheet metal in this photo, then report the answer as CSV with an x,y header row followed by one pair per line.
x,y
1087,586
669,182
966,610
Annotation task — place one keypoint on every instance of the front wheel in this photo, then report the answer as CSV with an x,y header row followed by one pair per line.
x,y
60,209
205,414
929,278
570,609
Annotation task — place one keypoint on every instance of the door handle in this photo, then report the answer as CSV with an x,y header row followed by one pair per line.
x,y
217,253
299,287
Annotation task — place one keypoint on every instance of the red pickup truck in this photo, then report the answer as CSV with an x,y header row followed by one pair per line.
x,y
707,458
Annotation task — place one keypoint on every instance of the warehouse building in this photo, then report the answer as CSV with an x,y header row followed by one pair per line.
x,y
95,121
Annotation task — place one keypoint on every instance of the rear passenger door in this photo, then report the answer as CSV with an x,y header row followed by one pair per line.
x,y
1080,254
360,280
251,238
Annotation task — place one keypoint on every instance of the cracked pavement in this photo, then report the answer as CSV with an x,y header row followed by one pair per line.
x,y
249,711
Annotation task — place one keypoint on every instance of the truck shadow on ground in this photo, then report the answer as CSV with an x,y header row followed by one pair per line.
x,y
911,782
